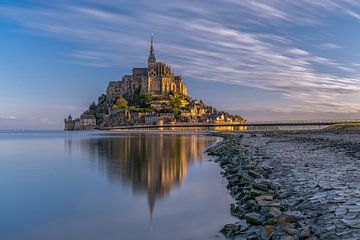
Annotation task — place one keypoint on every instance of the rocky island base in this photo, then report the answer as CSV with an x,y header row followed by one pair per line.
x,y
292,185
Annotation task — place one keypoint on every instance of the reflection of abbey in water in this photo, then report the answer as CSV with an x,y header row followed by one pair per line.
x,y
152,163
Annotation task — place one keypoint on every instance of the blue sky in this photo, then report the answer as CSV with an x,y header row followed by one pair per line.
x,y
264,59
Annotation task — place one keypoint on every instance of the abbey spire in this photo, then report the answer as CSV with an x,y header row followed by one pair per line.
x,y
152,59
152,44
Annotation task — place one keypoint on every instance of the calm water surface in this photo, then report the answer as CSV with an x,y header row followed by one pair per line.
x,y
90,185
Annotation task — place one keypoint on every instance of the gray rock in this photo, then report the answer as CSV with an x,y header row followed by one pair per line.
x,y
354,223
275,212
230,230
287,238
254,218
264,200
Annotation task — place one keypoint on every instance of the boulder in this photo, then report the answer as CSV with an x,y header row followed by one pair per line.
x,y
264,200
254,219
275,212
267,232
260,186
286,218
253,174
230,230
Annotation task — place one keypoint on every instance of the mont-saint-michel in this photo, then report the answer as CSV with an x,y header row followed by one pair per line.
x,y
149,96
162,151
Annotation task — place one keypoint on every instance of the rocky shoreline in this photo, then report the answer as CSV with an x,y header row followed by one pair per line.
x,y
292,185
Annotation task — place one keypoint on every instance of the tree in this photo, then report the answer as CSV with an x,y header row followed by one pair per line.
x,y
175,102
92,108
142,100
102,99
101,107
120,102
146,98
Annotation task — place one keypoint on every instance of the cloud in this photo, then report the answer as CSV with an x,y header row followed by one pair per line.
x,y
329,46
8,117
201,40
296,51
353,14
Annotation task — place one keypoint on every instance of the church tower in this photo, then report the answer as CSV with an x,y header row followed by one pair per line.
x,y
152,59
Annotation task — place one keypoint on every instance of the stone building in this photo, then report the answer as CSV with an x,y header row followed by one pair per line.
x,y
217,117
88,120
157,79
152,119
69,124
85,122
120,117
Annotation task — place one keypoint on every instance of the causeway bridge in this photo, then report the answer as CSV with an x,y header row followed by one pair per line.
x,y
236,126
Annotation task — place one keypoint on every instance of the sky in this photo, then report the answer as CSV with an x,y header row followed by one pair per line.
x,y
264,59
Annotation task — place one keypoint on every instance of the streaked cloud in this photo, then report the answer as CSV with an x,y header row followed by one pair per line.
x,y
353,14
228,44
329,46
8,117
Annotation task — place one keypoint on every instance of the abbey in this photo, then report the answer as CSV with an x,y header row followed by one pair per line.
x,y
157,80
